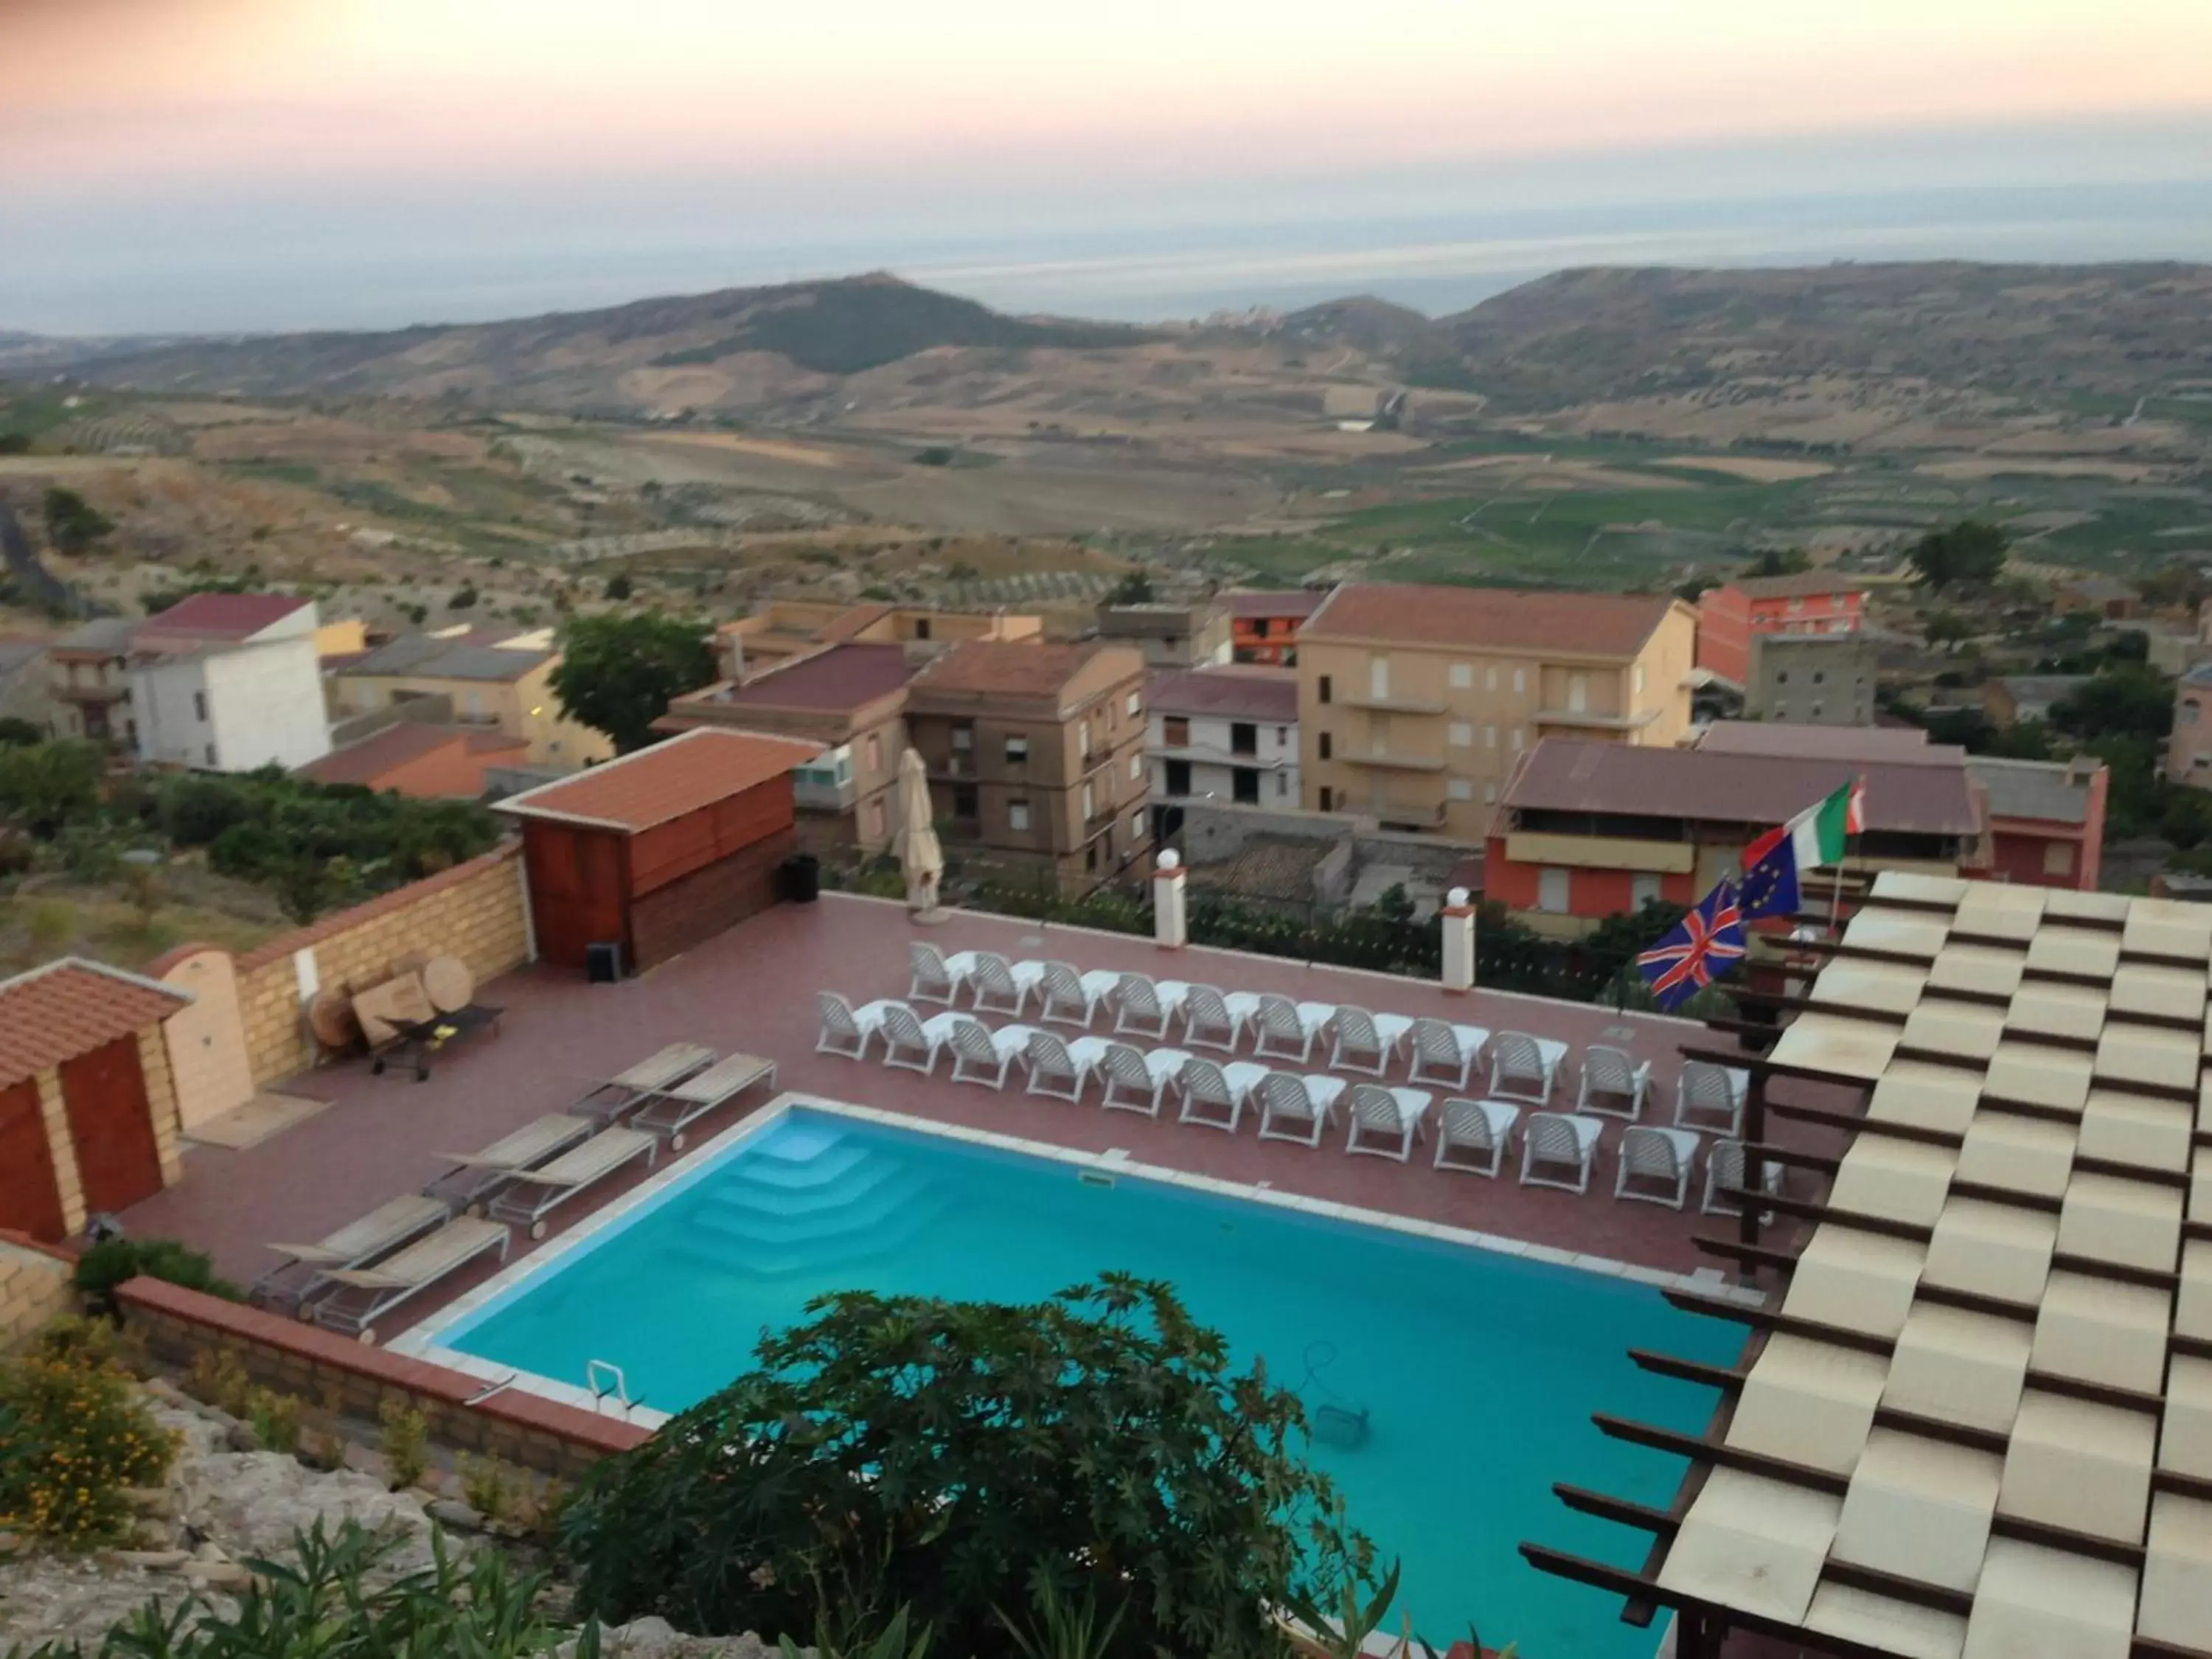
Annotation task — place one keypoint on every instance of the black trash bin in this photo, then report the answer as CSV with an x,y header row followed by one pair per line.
x,y
802,878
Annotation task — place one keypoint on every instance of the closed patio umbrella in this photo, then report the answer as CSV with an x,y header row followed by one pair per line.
x,y
919,855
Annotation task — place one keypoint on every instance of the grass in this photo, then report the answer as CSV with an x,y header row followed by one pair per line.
x,y
37,929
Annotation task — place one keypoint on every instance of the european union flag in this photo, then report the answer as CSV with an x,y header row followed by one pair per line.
x,y
1704,945
1769,878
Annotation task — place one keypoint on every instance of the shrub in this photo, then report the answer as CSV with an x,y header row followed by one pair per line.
x,y
276,1419
113,1260
74,1432
486,1486
218,1377
406,1441
927,1454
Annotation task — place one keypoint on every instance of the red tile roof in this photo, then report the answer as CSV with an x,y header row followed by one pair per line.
x,y
371,759
213,617
70,1007
1568,775
1803,583
1905,744
1488,619
1269,695
1011,668
1287,602
681,776
845,677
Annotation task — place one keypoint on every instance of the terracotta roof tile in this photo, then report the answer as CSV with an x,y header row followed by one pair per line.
x,y
845,677
213,617
70,1007
1253,693
1489,618
1802,584
1011,668
370,760
1285,602
665,781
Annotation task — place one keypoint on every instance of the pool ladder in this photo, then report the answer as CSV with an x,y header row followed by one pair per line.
x,y
605,1380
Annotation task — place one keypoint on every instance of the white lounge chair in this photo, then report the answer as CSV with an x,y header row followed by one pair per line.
x,y
357,1244
603,1102
1556,1138
1525,1067
1661,1159
1366,1043
1002,987
1474,1136
1724,1178
1069,998
1386,1120
1209,1021
980,1055
1060,1069
1297,1109
912,1043
1445,1053
1281,1029
475,1175
1143,1005
1137,1081
845,1029
534,1196
936,977
1613,1084
363,1296
1711,1097
1214,1096
675,1110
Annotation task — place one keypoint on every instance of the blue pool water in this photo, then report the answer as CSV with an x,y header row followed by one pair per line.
x,y
1478,1371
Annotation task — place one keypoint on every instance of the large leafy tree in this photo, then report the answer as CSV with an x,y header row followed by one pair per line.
x,y
1969,554
617,673
963,1461
73,523
2128,701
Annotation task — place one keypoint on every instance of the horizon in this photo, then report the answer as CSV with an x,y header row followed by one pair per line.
x,y
247,165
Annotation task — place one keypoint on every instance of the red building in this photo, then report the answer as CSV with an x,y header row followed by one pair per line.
x,y
1810,602
2046,819
1264,627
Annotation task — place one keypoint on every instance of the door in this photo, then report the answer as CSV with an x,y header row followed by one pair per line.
x,y
1379,678
29,1202
116,1157
1244,786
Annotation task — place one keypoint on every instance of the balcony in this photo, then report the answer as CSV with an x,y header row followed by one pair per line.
x,y
1382,759
1600,853
1419,814
107,692
1391,705
822,794
1587,720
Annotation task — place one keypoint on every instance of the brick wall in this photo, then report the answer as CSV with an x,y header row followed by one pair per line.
x,y
35,1288
476,911
338,1373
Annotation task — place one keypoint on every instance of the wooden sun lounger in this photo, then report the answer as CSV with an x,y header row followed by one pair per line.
x,y
606,1101
305,1267
534,1194
474,1175
674,1110
365,1294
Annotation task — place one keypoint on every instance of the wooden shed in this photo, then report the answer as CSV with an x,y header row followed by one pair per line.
x,y
87,1114
659,850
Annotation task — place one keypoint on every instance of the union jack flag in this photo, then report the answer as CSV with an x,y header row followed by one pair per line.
x,y
1704,945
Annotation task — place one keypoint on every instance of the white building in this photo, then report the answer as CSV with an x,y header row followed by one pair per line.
x,y
1227,734
228,682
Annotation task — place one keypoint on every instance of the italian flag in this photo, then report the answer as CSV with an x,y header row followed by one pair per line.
x,y
1816,835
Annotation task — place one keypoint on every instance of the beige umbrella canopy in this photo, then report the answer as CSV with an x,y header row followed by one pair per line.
x,y
919,855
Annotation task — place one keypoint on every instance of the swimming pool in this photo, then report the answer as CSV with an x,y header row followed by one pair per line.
x,y
1477,1370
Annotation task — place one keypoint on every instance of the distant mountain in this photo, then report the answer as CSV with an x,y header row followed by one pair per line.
x,y
705,350
1380,328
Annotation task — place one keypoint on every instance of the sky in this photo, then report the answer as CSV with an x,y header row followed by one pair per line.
x,y
244,164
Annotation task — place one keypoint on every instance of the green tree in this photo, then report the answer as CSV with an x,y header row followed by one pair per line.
x,y
73,523
619,587
46,787
1778,562
1969,554
618,673
945,1456
1135,588
1947,628
2120,703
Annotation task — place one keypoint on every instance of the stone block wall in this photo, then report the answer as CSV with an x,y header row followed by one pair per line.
x,y
34,1289
478,911
344,1376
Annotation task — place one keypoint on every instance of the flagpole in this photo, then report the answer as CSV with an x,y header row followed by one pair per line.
x,y
1836,901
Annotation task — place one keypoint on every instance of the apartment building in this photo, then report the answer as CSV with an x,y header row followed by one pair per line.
x,y
498,680
89,670
1222,735
1812,679
2046,818
1035,756
851,700
1414,703
1170,636
1263,627
1731,615
227,682
784,630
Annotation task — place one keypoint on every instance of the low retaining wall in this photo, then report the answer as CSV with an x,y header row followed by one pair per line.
x,y
354,1380
34,1289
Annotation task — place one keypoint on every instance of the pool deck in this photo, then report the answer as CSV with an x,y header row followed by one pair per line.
x,y
752,989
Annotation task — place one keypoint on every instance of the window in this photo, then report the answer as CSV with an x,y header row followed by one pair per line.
x,y
1577,693
1136,828
1018,817
1018,752
1818,676
1490,678
1782,677
1282,785
1137,766
1459,789
1175,731
964,800
1516,739
875,820
1282,737
1490,737
1243,737
1463,675
964,738
199,707
1326,799
1638,679
1490,794
1327,748
875,751
1090,803
1463,735
1379,678
1083,744
2058,859
921,628
1642,889
1178,778
1816,708
1136,704
1244,786
1553,887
